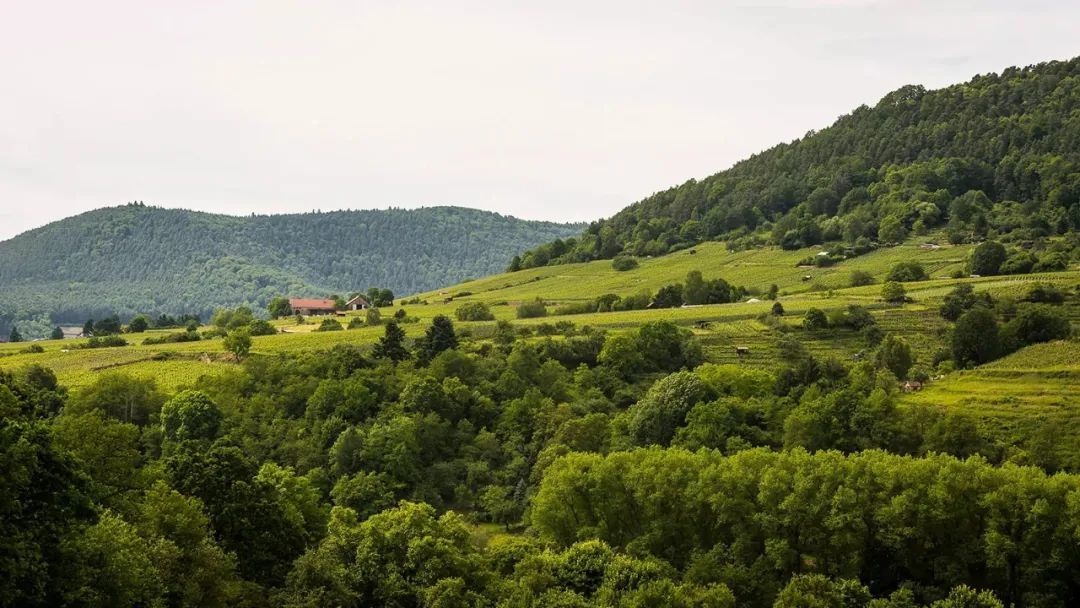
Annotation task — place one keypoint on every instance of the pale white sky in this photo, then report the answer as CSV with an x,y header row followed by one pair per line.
x,y
548,110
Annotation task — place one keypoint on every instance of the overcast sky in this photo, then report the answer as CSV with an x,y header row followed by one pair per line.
x,y
547,110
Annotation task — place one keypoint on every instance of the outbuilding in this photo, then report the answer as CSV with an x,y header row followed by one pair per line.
x,y
357,303
309,307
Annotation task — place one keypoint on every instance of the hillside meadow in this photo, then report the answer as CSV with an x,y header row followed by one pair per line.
x,y
1009,398
721,327
757,268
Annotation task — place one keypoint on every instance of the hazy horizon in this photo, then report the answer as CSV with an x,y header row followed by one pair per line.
x,y
561,113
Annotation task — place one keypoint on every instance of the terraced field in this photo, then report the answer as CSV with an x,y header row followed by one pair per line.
x,y
756,269
1037,385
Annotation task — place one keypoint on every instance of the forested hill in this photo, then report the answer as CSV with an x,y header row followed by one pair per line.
x,y
136,258
998,155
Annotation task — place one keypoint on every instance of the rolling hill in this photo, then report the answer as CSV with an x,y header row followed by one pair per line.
x,y
136,258
995,157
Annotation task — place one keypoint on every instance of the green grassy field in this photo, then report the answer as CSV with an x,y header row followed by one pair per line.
x,y
756,269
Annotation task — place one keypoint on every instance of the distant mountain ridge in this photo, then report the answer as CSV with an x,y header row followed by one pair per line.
x,y
138,258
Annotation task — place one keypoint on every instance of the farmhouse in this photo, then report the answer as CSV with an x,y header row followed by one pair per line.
x,y
357,303
72,332
307,307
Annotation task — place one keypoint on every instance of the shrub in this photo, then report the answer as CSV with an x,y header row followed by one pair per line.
x,y
860,278
215,332
791,349
260,327
107,326
330,325
184,336
474,311
858,316
894,292
637,301
777,309
356,323
864,245
279,307
1051,263
1018,263
373,316
987,259
669,296
962,299
623,263
872,335
238,342
606,302
1044,293
854,316
138,324
576,308
104,342
815,319
1035,323
567,328
532,310
907,271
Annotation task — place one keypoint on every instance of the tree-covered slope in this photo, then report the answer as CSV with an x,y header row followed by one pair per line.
x,y
996,156
136,258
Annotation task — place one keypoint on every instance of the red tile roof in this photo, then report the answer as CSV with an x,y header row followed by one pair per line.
x,y
311,303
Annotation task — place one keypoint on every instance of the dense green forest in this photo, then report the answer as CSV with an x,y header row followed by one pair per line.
x,y
998,156
131,259
580,469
